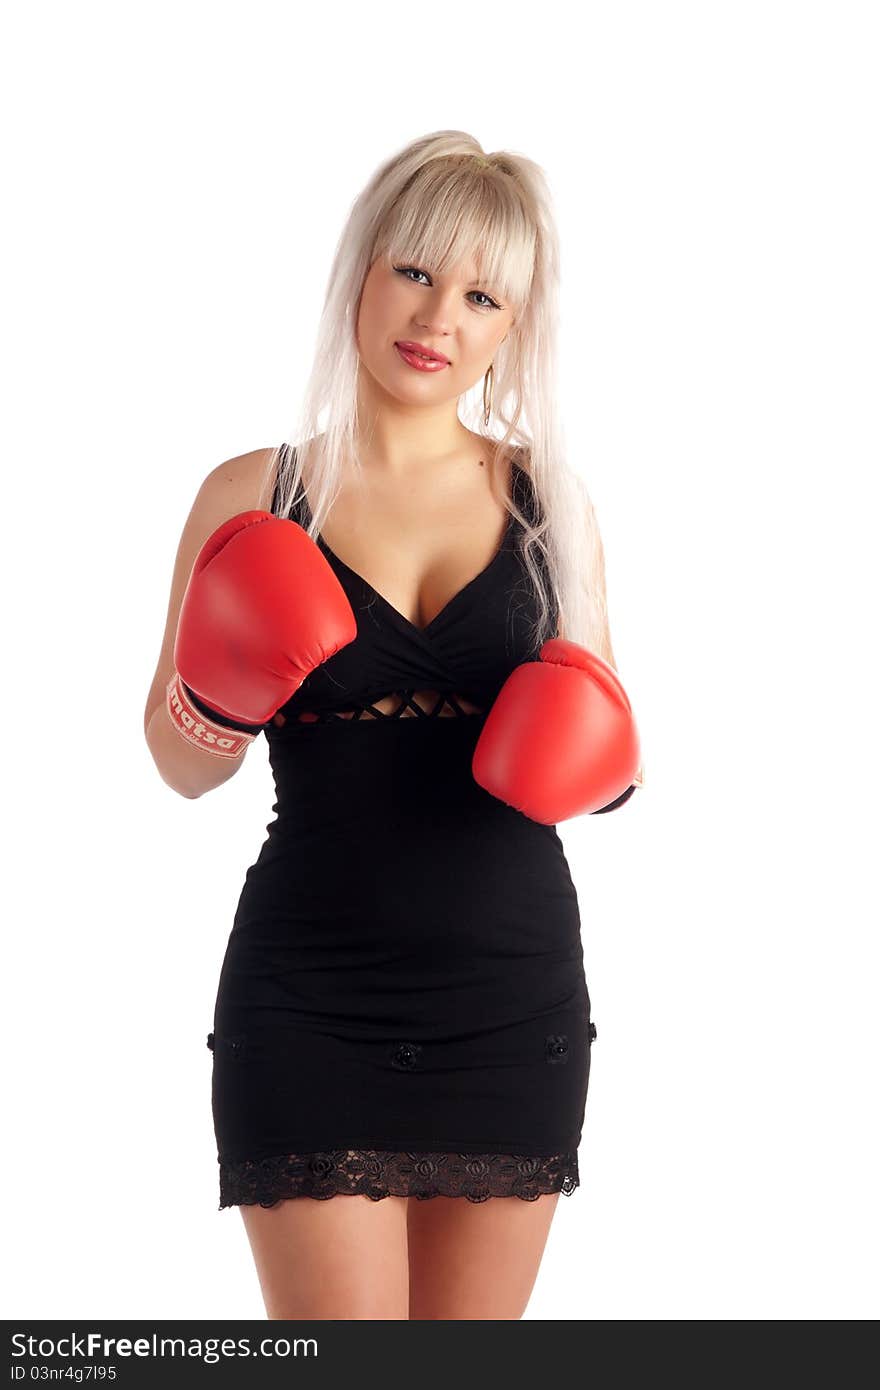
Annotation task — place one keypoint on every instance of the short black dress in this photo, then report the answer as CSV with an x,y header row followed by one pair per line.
x,y
402,1007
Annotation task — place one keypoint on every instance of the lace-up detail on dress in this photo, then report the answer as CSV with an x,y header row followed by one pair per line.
x,y
404,704
376,1173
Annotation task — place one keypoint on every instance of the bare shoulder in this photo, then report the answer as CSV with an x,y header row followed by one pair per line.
x,y
240,484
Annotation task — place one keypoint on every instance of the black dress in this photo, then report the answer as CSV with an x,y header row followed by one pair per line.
x,y
402,1007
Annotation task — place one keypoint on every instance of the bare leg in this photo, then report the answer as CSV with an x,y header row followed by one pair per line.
x,y
340,1258
475,1259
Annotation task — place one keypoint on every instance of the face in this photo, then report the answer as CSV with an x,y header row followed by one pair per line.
x,y
453,314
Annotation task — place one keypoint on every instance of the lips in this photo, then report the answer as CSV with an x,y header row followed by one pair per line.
x,y
420,350
418,363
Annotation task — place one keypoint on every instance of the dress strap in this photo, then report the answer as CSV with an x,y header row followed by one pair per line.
x,y
299,508
524,494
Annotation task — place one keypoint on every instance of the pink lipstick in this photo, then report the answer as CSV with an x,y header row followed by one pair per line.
x,y
422,358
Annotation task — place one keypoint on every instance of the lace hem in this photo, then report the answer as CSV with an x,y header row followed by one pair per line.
x,y
377,1173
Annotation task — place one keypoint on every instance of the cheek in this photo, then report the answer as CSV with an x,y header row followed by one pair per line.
x,y
380,315
482,345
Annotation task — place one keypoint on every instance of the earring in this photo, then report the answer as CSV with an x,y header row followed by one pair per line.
x,y
487,405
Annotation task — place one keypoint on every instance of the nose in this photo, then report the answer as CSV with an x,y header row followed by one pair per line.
x,y
439,311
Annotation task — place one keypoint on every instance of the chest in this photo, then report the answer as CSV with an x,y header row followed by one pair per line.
x,y
416,552
440,595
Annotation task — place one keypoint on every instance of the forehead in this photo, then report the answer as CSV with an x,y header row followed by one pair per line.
x,y
467,270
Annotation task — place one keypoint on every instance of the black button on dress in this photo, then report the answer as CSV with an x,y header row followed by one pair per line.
x,y
402,1008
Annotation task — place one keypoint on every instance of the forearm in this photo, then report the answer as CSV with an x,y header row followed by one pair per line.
x,y
187,769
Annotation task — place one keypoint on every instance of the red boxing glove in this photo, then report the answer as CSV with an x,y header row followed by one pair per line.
x,y
262,609
560,739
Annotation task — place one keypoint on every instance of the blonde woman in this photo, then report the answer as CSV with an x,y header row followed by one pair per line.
x,y
402,1032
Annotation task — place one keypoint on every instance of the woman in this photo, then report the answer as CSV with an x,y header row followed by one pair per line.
x,y
402,1012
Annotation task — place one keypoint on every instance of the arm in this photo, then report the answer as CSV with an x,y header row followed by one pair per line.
x,y
605,649
606,652
560,739
235,486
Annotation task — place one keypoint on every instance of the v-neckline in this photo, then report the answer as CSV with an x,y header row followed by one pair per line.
x,y
408,623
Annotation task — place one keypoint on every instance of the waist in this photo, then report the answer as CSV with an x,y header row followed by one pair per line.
x,y
389,814
347,772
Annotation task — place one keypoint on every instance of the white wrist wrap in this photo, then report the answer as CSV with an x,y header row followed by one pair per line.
x,y
197,729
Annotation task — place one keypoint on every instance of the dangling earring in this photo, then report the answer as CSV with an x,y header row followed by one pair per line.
x,y
487,406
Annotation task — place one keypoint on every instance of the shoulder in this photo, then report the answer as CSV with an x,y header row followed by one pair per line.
x,y
242,483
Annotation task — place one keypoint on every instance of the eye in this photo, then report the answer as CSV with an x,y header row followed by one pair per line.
x,y
414,270
491,304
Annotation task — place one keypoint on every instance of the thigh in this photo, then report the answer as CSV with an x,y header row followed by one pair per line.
x,y
475,1259
341,1258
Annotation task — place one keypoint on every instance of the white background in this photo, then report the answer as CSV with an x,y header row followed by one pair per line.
x,y
176,178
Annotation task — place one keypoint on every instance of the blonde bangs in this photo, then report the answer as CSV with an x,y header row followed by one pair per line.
x,y
453,211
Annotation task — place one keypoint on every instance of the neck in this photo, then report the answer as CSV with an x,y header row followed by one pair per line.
x,y
397,439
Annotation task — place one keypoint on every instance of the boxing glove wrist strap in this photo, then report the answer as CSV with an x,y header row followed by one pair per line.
x,y
618,801
193,723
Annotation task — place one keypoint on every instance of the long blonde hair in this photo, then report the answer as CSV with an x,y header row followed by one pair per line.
x,y
436,201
